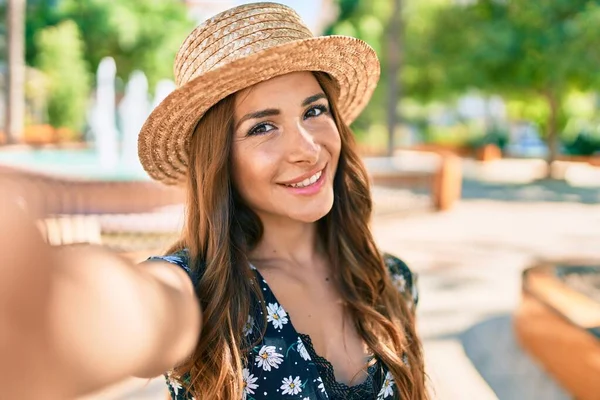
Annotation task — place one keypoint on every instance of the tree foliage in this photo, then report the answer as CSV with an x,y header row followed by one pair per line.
x,y
369,21
366,20
142,35
60,58
529,52
521,49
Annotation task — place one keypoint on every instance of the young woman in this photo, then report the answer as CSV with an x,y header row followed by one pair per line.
x,y
276,289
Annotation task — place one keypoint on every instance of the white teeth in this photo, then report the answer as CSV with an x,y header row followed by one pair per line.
x,y
307,181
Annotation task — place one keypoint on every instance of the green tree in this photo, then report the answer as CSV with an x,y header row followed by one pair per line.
x,y
366,20
521,49
142,35
68,80
384,24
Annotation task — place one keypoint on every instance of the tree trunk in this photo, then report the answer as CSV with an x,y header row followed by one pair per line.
x,y
15,74
552,131
394,63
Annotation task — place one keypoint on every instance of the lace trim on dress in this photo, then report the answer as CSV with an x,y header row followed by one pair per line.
x,y
339,391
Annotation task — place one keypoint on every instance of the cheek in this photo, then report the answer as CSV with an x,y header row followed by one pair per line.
x,y
337,143
252,171
332,141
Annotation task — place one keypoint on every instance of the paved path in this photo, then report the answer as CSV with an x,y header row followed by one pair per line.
x,y
469,262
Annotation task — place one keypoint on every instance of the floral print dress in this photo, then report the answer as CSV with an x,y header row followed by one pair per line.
x,y
284,364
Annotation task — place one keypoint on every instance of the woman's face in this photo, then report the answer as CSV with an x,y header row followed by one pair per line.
x,y
286,148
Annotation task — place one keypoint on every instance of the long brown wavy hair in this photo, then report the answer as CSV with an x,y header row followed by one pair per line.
x,y
220,230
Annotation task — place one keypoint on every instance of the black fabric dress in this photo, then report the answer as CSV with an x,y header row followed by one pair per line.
x,y
284,364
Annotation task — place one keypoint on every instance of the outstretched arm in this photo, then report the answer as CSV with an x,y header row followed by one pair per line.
x,y
76,319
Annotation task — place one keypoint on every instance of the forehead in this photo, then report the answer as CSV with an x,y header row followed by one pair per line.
x,y
289,87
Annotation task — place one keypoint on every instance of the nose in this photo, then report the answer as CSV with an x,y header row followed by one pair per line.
x,y
303,145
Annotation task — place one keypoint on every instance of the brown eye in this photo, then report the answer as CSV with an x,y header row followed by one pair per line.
x,y
261,129
315,111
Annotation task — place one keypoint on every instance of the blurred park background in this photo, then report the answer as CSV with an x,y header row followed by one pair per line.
x,y
482,141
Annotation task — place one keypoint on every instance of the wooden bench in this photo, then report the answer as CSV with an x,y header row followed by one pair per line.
x,y
552,324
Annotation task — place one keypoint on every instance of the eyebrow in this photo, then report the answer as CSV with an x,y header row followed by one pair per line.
x,y
313,98
273,111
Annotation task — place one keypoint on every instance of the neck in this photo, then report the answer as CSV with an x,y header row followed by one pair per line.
x,y
289,241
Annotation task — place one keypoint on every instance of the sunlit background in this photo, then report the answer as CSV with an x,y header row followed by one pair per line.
x,y
482,142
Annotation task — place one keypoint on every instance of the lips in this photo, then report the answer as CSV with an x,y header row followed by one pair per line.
x,y
305,179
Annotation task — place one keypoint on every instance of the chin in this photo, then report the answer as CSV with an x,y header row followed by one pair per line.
x,y
312,215
308,219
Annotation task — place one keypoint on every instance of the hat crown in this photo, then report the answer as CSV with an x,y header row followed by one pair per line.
x,y
235,34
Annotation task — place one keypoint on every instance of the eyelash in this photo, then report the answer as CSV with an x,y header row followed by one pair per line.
x,y
320,107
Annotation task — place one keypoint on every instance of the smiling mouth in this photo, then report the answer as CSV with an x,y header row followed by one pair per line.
x,y
307,182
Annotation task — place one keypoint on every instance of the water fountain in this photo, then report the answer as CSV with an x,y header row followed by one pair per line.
x,y
112,155
103,121
163,88
133,111
105,178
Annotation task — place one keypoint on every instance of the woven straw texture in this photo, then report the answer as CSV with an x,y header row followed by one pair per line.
x,y
237,49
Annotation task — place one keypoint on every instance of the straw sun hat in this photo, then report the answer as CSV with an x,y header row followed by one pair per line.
x,y
236,49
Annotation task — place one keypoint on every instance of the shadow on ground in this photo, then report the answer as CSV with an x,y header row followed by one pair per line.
x,y
492,348
541,190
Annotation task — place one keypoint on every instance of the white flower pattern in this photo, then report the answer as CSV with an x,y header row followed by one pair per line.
x,y
279,365
399,282
173,383
291,386
277,315
405,359
321,385
249,385
302,350
248,327
268,358
388,387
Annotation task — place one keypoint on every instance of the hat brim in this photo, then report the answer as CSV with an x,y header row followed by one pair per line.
x,y
164,137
